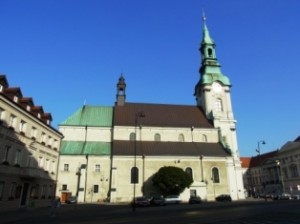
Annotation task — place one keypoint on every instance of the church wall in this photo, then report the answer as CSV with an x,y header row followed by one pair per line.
x,y
90,176
167,134
72,133
148,166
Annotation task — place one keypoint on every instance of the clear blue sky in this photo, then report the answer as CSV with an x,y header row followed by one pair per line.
x,y
63,52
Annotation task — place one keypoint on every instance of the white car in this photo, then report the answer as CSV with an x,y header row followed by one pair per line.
x,y
172,199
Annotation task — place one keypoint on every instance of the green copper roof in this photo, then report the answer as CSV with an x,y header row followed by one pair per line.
x,y
85,148
91,116
206,37
209,78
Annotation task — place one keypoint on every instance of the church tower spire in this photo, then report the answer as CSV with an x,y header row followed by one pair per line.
x,y
121,94
212,91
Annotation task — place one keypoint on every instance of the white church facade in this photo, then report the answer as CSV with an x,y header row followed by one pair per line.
x,y
111,153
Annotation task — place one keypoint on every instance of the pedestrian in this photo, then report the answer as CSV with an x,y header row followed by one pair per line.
x,y
55,205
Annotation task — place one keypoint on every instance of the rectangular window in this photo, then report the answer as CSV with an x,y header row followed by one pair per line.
x,y
6,153
96,188
43,194
66,167
22,127
1,190
97,168
12,191
33,133
1,114
12,119
43,138
18,157
64,187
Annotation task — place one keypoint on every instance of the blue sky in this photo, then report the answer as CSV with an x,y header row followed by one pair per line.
x,y
65,52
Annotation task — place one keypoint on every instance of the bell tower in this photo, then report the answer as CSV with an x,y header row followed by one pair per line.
x,y
121,95
212,92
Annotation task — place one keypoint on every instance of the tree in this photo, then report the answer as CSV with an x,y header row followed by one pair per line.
x,y
171,180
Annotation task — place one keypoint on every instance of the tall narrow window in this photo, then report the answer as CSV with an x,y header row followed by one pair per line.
x,y
43,138
12,191
18,157
6,153
189,171
1,190
64,187
12,119
215,175
1,114
134,175
209,51
33,133
157,137
22,127
218,105
181,138
204,138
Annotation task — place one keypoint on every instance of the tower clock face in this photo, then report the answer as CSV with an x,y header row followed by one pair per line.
x,y
216,87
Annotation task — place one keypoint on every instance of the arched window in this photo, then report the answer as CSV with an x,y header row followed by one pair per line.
x,y
204,138
134,175
132,136
215,175
218,105
210,53
157,137
181,138
189,171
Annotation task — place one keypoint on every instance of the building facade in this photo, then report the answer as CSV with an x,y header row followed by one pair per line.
x,y
140,138
274,172
29,150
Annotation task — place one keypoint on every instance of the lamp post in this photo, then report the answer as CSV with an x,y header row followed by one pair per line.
x,y
135,170
280,175
260,165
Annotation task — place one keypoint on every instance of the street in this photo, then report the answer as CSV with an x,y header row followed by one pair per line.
x,y
246,212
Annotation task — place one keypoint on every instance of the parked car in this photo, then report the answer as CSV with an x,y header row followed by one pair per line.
x,y
195,200
284,196
172,199
157,200
295,196
71,200
224,197
141,201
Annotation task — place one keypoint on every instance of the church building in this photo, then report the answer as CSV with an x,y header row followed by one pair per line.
x,y
112,153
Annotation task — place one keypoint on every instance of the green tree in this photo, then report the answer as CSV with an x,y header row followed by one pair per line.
x,y
171,180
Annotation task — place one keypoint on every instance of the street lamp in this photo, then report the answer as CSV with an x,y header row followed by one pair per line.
x,y
280,175
258,146
135,170
258,151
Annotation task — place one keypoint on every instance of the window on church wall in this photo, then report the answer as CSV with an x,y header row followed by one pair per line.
x,y
189,171
218,105
134,175
157,137
204,138
215,175
181,138
96,188
132,136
